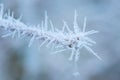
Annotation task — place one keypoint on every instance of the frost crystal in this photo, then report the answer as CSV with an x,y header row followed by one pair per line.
x,y
65,39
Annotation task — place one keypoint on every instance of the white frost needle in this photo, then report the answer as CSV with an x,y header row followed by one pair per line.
x,y
21,16
63,28
6,35
13,34
72,55
12,15
66,26
90,50
31,40
52,27
91,32
76,28
46,21
59,51
84,25
18,33
8,13
43,43
77,55
42,25
50,43
90,40
87,43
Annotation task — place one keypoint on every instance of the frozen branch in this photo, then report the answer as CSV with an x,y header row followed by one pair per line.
x,y
70,40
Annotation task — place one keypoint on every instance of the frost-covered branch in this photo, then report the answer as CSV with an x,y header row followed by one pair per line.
x,y
66,39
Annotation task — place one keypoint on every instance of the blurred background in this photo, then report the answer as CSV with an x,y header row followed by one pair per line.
x,y
18,62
